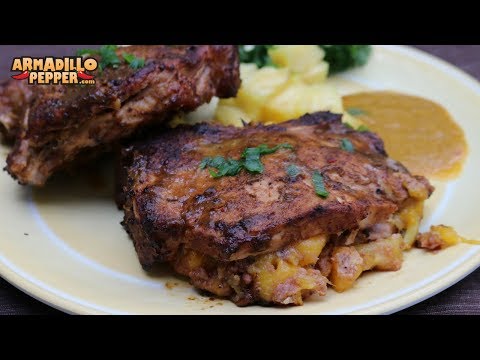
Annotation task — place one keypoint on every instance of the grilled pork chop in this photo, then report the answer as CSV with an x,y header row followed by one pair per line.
x,y
228,233
14,99
59,122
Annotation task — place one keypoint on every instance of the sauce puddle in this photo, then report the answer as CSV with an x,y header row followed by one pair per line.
x,y
417,132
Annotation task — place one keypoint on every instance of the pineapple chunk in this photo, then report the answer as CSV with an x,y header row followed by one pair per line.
x,y
447,234
258,87
246,70
411,215
204,113
298,99
178,119
347,266
384,254
230,102
231,115
298,58
273,271
353,121
316,74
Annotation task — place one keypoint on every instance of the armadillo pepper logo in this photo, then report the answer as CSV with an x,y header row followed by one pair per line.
x,y
51,70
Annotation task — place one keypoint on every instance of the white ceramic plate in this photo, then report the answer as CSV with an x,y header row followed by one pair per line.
x,y
64,244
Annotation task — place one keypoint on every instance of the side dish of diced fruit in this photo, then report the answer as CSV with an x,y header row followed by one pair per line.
x,y
282,82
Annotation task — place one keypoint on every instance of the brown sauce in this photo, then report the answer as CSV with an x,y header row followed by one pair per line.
x,y
417,132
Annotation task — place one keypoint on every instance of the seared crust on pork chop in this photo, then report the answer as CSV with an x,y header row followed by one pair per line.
x,y
171,203
62,121
14,97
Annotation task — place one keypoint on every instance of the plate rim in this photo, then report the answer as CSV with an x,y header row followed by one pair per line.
x,y
57,299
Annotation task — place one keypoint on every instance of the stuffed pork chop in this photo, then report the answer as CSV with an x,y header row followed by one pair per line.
x,y
54,124
269,214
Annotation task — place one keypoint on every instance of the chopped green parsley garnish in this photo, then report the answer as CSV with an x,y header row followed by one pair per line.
x,y
345,57
250,161
133,61
225,167
292,170
109,57
347,145
363,128
355,111
319,184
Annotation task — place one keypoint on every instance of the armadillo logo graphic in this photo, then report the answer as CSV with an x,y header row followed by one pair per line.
x,y
51,70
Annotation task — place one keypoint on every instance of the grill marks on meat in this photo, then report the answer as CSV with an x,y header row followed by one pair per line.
x,y
171,204
62,121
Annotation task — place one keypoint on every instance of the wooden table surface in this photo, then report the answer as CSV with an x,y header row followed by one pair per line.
x,y
462,298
